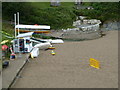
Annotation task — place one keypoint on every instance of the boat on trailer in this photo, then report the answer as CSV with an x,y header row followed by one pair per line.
x,y
37,29
24,43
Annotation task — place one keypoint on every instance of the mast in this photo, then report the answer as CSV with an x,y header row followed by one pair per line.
x,y
18,21
15,23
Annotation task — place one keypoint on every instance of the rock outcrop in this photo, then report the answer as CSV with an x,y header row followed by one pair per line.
x,y
111,25
84,29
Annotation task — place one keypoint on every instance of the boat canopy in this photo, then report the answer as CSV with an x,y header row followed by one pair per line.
x,y
33,26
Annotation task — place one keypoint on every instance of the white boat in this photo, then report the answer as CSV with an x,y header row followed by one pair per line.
x,y
55,41
40,43
43,45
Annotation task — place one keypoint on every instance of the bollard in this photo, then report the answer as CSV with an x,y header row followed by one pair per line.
x,y
12,56
52,52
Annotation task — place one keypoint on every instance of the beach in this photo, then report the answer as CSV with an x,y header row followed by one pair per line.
x,y
70,68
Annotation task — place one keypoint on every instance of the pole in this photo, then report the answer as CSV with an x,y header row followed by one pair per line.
x,y
15,24
18,34
18,21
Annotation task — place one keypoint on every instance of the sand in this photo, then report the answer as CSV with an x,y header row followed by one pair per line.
x,y
69,68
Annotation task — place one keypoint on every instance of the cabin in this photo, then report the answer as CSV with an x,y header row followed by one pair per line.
x,y
22,43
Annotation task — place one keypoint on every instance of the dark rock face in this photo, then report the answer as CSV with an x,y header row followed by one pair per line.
x,y
111,25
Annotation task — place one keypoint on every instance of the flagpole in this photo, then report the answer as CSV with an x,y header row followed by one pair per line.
x,y
15,24
18,21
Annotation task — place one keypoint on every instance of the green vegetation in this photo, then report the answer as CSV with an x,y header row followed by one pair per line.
x,y
7,34
57,17
7,30
41,13
103,11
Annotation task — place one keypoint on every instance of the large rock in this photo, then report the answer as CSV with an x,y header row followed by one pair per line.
x,y
77,23
91,21
82,17
111,25
85,29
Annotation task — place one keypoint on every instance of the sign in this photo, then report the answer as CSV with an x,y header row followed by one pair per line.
x,y
94,63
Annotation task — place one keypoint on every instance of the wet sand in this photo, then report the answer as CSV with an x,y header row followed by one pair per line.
x,y
69,68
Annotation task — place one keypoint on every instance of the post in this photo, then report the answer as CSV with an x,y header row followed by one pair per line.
x,y
18,21
15,23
